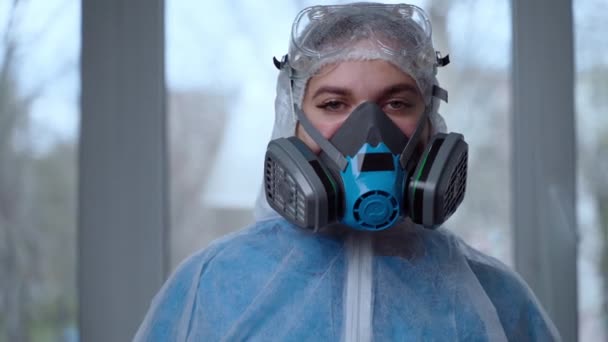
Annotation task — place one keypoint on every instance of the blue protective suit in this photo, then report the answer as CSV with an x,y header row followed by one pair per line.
x,y
276,282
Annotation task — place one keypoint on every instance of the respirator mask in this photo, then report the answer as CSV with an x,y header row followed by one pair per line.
x,y
368,176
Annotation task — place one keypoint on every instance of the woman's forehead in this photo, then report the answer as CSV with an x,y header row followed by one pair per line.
x,y
361,77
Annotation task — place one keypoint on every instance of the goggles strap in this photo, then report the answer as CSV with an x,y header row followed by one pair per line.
x,y
279,64
442,61
440,93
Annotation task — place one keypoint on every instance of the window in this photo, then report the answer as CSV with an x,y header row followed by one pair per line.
x,y
39,87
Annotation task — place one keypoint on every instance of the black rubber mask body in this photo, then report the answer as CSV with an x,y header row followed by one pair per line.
x,y
368,124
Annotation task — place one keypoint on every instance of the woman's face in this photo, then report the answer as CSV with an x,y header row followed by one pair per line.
x,y
337,90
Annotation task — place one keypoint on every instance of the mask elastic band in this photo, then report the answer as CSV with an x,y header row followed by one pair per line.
x,y
409,149
325,145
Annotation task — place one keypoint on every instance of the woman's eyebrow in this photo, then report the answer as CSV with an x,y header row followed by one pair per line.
x,y
399,88
332,90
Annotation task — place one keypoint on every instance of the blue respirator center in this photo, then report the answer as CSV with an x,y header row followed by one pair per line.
x,y
373,182
376,210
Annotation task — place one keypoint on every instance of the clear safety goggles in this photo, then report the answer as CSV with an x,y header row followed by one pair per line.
x,y
319,32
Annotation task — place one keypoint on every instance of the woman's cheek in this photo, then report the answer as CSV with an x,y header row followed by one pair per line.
x,y
407,128
327,130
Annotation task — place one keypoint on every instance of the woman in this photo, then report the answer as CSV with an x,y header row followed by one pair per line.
x,y
347,244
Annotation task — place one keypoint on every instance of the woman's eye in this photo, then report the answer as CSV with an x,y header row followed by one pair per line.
x,y
398,105
333,106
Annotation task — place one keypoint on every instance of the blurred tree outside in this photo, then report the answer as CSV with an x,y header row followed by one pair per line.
x,y
37,207
591,88
593,179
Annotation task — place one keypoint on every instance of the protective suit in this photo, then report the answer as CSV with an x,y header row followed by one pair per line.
x,y
275,281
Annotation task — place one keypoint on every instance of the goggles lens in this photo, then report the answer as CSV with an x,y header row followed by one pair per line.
x,y
321,31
